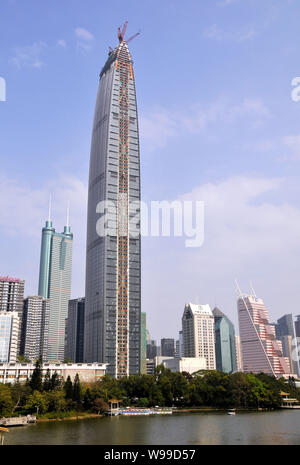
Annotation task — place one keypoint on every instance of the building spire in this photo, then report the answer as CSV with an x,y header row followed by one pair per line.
x,y
49,209
68,213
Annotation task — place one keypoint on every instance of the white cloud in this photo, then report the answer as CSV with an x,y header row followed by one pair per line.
x,y
216,33
84,38
246,237
29,56
83,34
159,125
61,43
23,212
292,142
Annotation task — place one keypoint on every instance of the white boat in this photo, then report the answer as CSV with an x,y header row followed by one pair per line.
x,y
231,412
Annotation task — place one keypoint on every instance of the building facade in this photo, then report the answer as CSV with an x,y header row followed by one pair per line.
x,y
55,284
35,328
261,351
238,351
285,332
113,254
198,331
11,303
167,347
74,343
143,343
9,336
21,372
224,342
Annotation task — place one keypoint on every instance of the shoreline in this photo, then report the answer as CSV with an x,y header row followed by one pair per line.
x,y
71,418
82,416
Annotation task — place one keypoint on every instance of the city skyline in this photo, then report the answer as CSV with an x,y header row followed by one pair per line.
x,y
245,157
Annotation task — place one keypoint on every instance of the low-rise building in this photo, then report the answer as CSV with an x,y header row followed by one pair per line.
x,y
188,364
20,372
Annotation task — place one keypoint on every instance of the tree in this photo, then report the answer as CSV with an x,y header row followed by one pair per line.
x,y
68,387
56,400
76,395
87,400
47,381
23,359
100,406
36,378
37,402
55,382
6,402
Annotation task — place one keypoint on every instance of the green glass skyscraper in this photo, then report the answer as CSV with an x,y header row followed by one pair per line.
x,y
55,284
225,343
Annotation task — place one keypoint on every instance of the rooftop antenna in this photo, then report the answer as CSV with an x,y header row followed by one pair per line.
x,y
252,290
68,213
237,289
49,208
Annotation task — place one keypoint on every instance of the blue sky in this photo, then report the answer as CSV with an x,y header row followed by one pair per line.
x,y
217,124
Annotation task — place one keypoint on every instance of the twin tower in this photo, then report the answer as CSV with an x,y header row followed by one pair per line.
x,y
113,252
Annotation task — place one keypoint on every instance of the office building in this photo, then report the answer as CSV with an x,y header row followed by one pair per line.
x,y
55,284
198,331
167,347
74,344
143,344
35,328
113,254
261,351
11,303
224,343
9,336
151,349
285,332
238,351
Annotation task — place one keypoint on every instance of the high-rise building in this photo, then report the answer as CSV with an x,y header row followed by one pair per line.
x,y
198,331
285,332
167,347
225,342
9,336
261,351
55,284
297,326
35,327
11,301
151,349
113,255
74,344
238,351
143,344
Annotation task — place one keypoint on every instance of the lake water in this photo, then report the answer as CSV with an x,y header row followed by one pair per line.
x,y
278,427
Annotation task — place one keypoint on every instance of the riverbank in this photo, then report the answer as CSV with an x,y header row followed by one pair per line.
x,y
59,417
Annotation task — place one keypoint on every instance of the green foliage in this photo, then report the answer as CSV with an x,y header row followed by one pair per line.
x,y
163,388
36,378
37,402
6,401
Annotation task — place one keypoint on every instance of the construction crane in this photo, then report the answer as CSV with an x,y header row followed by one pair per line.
x,y
121,34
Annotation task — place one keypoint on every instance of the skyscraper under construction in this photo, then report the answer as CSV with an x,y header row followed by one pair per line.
x,y
113,255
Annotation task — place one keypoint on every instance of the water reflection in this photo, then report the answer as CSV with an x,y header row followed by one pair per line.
x,y
280,427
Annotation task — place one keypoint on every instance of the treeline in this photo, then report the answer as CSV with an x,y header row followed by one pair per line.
x,y
54,397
